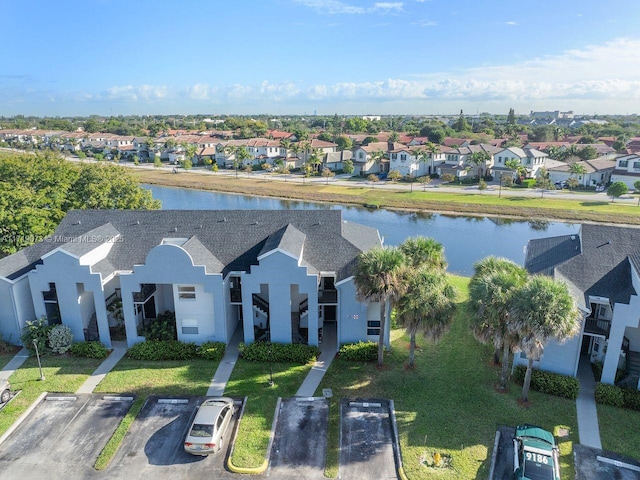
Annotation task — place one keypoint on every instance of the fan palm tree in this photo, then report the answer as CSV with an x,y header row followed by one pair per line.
x,y
377,157
542,310
378,278
424,252
479,159
427,306
490,291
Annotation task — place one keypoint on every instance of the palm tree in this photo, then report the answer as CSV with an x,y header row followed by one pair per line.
x,y
490,291
427,306
377,157
479,158
424,252
542,310
577,168
378,278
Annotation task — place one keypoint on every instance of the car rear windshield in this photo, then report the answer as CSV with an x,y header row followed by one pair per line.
x,y
538,466
201,430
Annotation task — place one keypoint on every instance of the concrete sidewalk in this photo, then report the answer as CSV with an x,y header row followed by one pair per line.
x,y
588,429
315,375
223,372
119,350
15,363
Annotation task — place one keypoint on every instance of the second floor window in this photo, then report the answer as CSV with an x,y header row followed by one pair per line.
x,y
186,292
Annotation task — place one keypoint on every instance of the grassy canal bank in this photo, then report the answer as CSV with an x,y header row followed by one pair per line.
x,y
433,200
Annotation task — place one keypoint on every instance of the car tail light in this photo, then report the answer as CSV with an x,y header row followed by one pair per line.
x,y
210,445
187,444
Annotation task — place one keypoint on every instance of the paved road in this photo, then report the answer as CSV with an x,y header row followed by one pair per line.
x,y
153,447
300,441
435,186
366,441
61,439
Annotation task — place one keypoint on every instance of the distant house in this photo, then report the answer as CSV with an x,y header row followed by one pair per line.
x,y
364,159
458,162
530,158
283,275
627,170
335,160
601,266
597,172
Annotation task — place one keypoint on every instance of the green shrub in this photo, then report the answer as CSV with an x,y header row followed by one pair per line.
x,y
60,339
89,350
360,352
631,398
548,382
278,352
609,395
162,328
528,183
37,330
211,350
162,350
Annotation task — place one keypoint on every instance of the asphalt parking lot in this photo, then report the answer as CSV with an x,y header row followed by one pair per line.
x,y
504,456
153,447
595,464
62,437
366,440
300,439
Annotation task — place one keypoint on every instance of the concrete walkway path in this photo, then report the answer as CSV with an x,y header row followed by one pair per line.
x,y
15,363
223,372
327,354
588,429
119,349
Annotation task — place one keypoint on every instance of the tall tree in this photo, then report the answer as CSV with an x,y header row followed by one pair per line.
x,y
511,117
616,190
542,310
378,278
427,306
424,252
479,159
490,290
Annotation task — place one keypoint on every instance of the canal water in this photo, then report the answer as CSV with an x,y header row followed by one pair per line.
x,y
465,239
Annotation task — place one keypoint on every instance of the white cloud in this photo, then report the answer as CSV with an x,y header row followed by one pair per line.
x,y
511,23
603,78
336,7
135,93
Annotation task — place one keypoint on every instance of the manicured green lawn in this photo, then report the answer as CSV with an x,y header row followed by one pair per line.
x,y
145,378
619,430
251,380
62,374
447,404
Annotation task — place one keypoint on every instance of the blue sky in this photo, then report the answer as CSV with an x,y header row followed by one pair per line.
x,y
120,57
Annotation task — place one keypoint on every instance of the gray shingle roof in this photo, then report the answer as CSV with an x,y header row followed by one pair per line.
x,y
233,238
602,268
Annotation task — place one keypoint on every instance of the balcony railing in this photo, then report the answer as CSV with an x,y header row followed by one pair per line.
x,y
597,326
327,296
236,295
145,293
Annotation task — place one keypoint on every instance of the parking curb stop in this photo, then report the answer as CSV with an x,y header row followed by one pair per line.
x,y
247,470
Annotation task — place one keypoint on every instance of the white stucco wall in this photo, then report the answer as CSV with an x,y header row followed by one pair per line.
x,y
170,265
625,318
559,358
279,271
352,315
66,272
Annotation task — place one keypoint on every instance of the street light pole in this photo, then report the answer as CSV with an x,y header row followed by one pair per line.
x,y
35,344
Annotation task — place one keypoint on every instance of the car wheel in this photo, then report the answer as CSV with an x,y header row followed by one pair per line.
x,y
5,396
